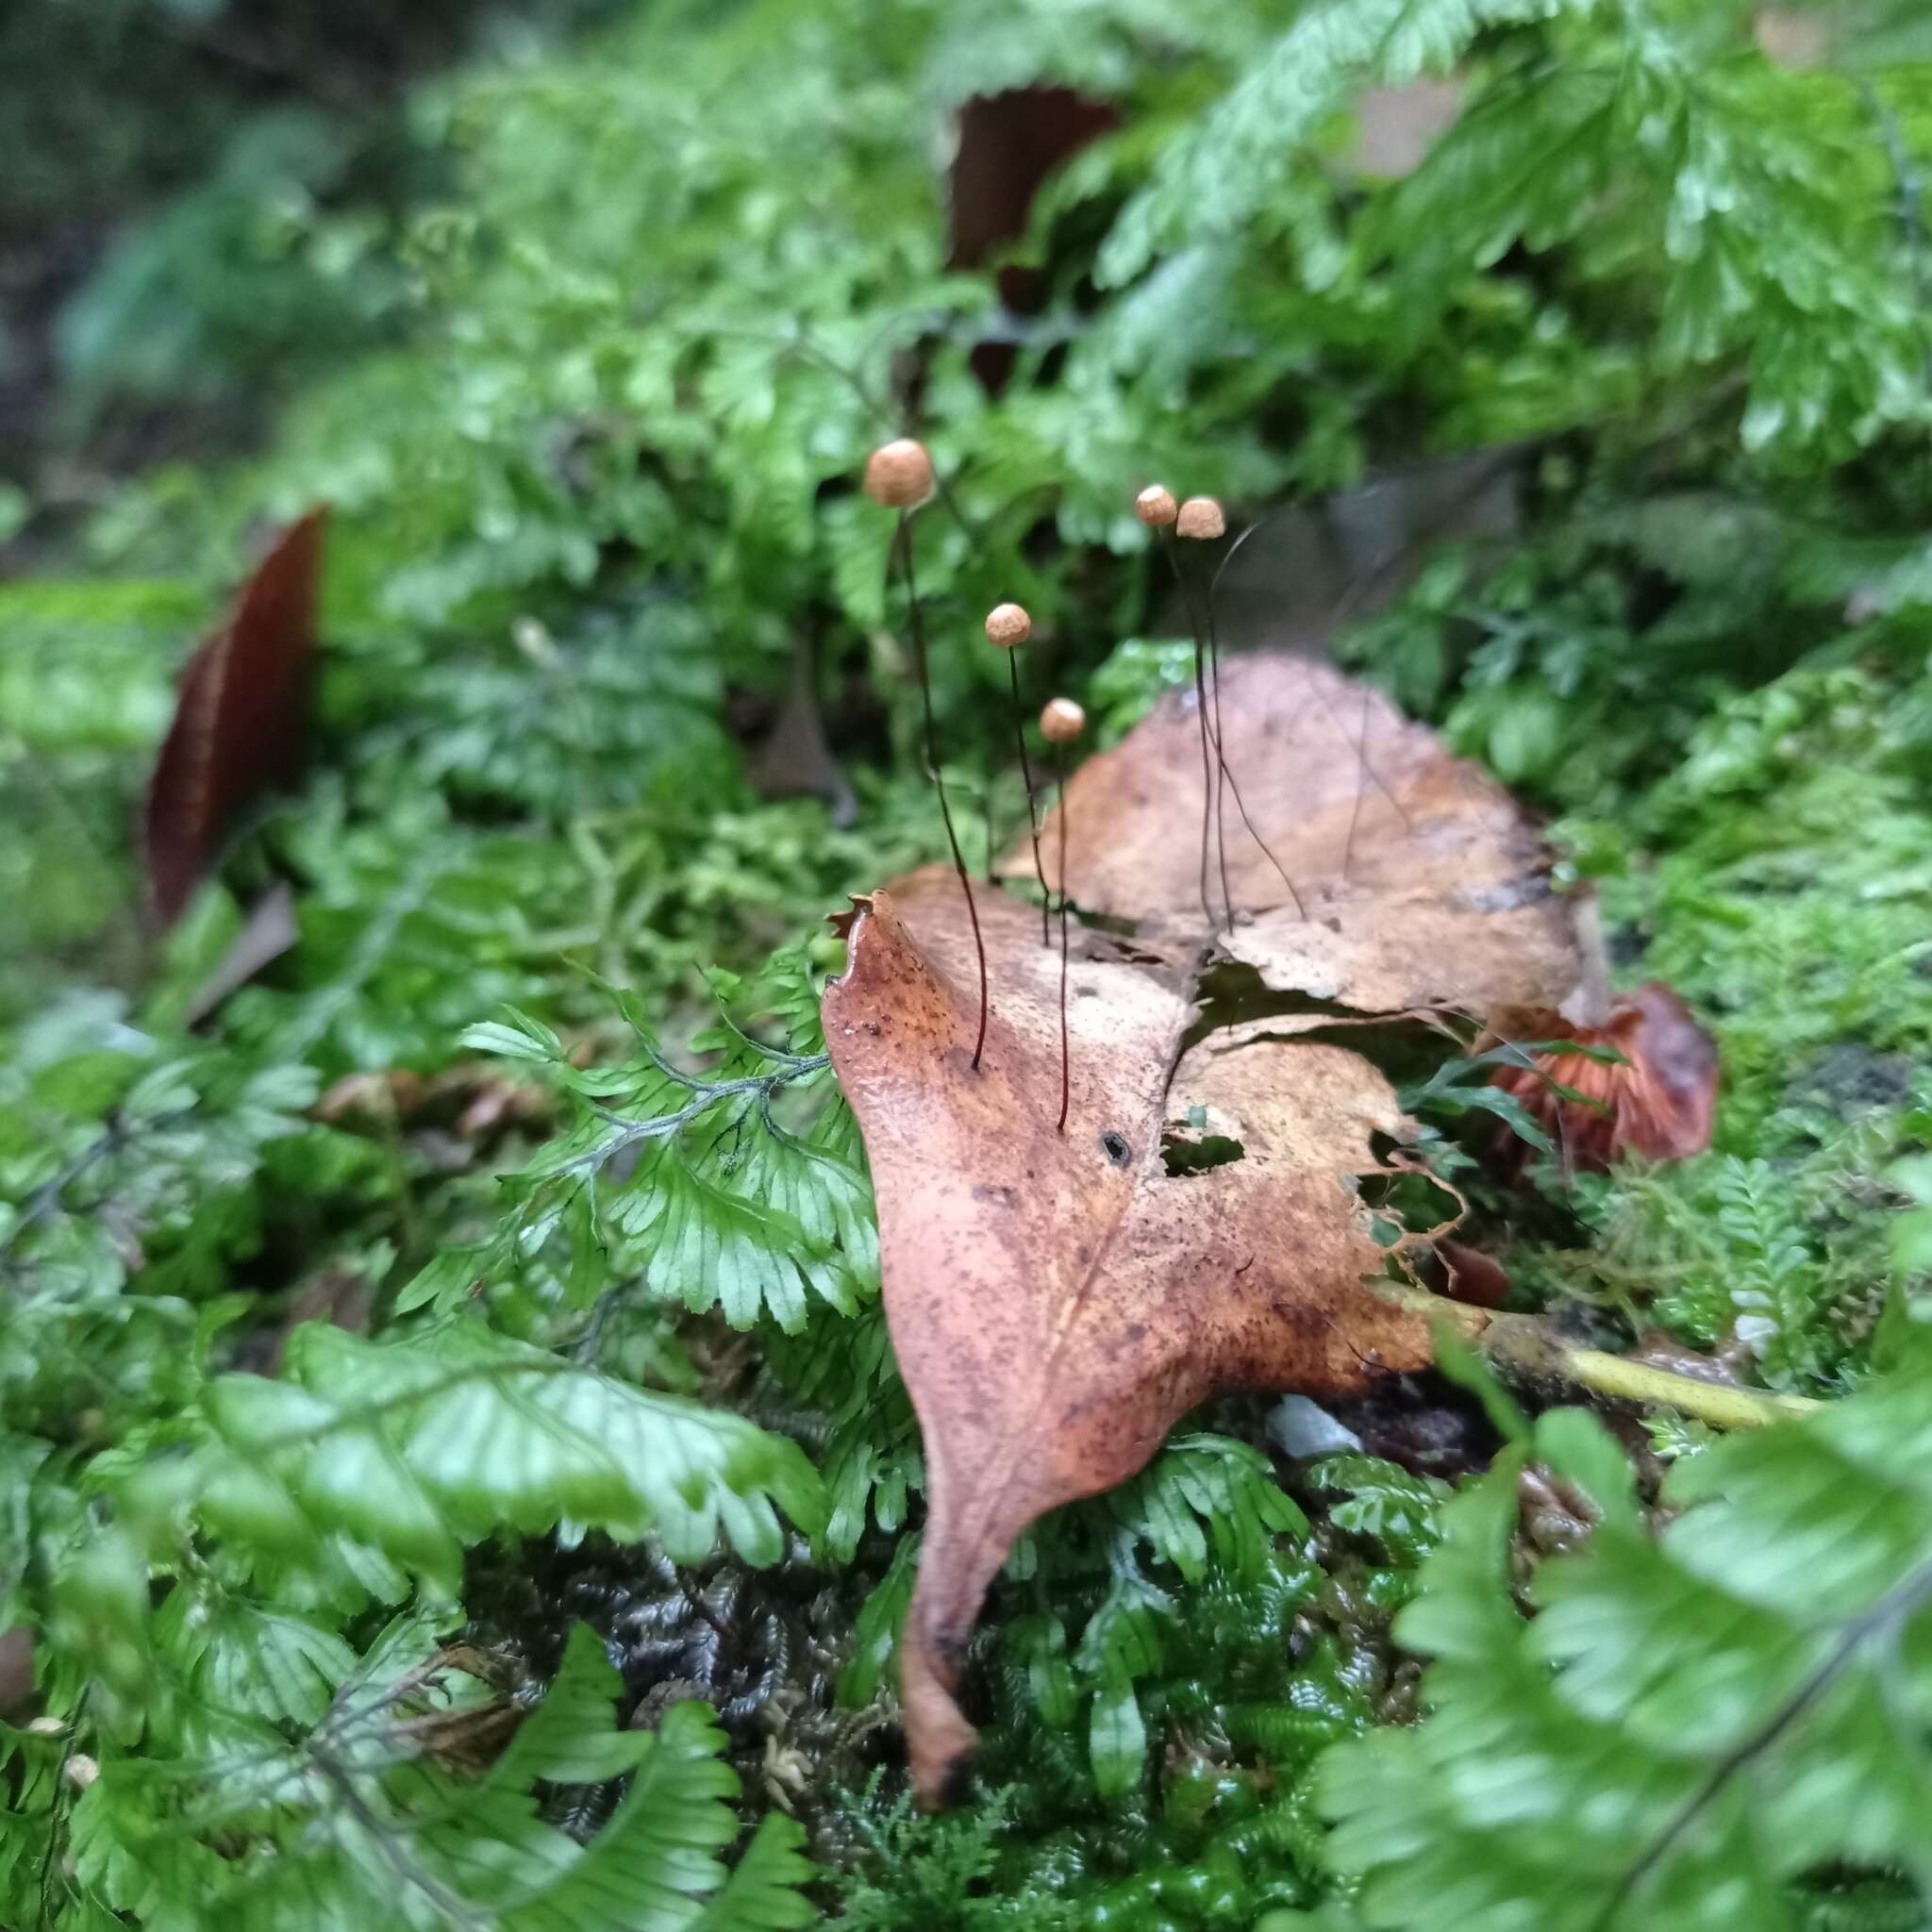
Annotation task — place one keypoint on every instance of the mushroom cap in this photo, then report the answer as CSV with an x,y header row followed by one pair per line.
x,y
1156,507
899,473
1008,624
1200,516
1062,721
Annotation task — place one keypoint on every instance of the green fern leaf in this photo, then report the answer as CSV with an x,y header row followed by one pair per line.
x,y
710,1247
1694,1724
1211,181
417,1447
657,1859
765,1891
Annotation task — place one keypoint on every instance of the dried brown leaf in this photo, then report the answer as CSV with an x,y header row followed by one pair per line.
x,y
240,722
1659,1102
1057,1300
1422,882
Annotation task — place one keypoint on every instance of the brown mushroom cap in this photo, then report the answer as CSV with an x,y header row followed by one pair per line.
x,y
1008,624
1062,721
1156,507
899,473
1201,517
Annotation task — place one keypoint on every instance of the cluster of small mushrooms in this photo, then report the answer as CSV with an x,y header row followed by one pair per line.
x,y
899,477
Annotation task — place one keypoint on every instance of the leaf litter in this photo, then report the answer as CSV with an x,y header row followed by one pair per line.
x,y
1056,1300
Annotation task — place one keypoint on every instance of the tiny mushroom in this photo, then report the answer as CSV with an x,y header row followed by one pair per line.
x,y
1200,517
1008,624
1154,506
1062,721
899,473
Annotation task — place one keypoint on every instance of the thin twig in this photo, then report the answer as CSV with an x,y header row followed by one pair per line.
x,y
1533,1348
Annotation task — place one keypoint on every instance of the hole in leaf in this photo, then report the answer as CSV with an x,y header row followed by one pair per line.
x,y
1116,1149
1182,1153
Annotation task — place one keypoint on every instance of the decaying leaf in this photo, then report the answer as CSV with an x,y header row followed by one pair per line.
x,y
1057,1300
1659,1102
240,720
1422,881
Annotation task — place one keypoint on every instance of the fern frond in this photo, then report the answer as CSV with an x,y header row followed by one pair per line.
x,y
1693,1722
1211,182
416,1447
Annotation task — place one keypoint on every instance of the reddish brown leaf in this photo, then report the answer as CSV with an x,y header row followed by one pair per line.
x,y
1057,1300
241,720
1658,1103
1422,881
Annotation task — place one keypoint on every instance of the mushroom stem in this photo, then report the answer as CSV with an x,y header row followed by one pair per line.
x,y
1062,721
915,625
1180,578
1059,774
1207,634
1032,809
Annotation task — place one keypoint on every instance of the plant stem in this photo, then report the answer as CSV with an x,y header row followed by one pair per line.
x,y
1032,815
1059,773
1533,1349
916,630
1205,630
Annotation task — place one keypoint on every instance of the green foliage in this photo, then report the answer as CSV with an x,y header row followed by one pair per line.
x,y
686,1186
1772,881
631,311
1749,204
319,1787
1154,1723
1723,1723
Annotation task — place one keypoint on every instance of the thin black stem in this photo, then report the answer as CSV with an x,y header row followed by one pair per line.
x,y
1032,812
455,1911
1208,629
1059,773
916,630
1223,775
1180,578
45,1199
